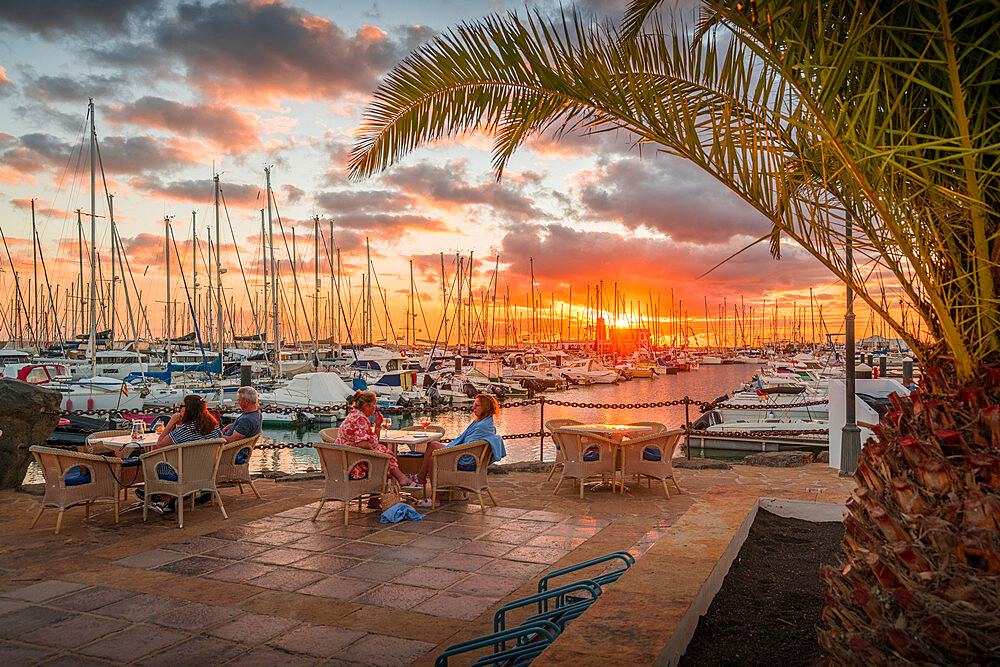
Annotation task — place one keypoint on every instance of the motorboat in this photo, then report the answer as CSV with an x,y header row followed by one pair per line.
x,y
588,371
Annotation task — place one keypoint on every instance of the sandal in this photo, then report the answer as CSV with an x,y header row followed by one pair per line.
x,y
413,483
426,502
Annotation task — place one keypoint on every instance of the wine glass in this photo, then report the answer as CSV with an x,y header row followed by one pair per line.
x,y
425,421
386,423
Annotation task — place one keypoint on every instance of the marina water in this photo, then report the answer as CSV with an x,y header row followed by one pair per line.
x,y
704,384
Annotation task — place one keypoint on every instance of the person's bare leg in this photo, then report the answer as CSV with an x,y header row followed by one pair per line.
x,y
400,477
425,466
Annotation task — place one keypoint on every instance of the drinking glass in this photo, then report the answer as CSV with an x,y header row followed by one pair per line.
x,y
425,422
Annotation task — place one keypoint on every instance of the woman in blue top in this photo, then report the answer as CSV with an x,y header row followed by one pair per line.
x,y
483,408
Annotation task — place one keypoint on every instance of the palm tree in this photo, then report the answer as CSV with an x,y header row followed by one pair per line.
x,y
824,116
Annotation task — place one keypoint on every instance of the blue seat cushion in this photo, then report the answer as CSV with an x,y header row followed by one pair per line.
x,y
77,476
413,455
592,454
242,456
166,472
650,454
130,462
467,462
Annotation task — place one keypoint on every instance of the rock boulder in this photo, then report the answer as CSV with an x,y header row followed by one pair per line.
x,y
779,459
701,464
28,415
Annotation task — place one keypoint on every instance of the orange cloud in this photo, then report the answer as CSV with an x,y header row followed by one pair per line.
x,y
222,125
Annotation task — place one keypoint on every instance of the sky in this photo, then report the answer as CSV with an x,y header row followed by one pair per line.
x,y
184,91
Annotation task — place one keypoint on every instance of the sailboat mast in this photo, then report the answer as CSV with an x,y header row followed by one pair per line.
x,y
316,288
274,276
166,247
218,266
93,242
34,262
114,275
368,255
263,248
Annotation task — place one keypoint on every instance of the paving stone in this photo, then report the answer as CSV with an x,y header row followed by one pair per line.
x,y
44,590
139,607
326,563
429,577
422,526
236,550
133,643
73,632
305,512
22,621
147,560
307,527
254,628
192,566
338,588
197,651
573,530
584,520
482,520
7,606
382,650
486,585
395,596
352,532
286,579
240,572
363,550
462,532
374,570
536,554
477,548
197,545
14,655
318,543
461,562
196,617
529,526
236,533
508,536
408,555
317,640
77,660
455,605
556,542
271,522
91,598
542,515
280,556
264,656
506,512
437,543
513,569
274,538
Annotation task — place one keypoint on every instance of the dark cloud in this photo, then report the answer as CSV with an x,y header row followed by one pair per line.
x,y
293,194
670,196
221,124
363,201
236,195
74,89
129,155
444,186
73,16
253,52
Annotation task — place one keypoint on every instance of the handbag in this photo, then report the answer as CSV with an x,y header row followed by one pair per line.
x,y
388,499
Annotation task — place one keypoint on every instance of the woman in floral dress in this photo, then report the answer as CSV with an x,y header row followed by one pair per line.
x,y
357,431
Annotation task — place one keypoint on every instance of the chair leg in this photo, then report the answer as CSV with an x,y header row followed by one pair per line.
x,y
347,510
240,484
552,470
581,489
86,510
116,509
38,516
316,514
145,506
180,512
491,497
675,485
482,507
59,520
666,489
253,488
222,508
557,485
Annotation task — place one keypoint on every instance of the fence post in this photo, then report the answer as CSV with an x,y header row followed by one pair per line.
x,y
541,429
687,425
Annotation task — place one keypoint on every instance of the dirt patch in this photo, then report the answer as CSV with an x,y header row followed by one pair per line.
x,y
770,602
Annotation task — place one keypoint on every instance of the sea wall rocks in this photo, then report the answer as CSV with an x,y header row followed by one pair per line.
x,y
28,415
779,459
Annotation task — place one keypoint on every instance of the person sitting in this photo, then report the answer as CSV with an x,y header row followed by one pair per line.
x,y
482,428
192,422
249,423
358,431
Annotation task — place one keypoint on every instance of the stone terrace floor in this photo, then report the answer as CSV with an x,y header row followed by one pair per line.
x,y
270,587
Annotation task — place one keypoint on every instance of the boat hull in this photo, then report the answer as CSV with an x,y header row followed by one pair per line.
x,y
718,444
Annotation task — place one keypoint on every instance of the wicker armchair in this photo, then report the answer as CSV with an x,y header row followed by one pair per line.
x,y
182,470
93,444
550,426
75,478
450,471
411,461
338,461
578,464
132,473
329,434
652,456
234,464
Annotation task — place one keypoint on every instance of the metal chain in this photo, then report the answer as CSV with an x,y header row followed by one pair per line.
x,y
300,445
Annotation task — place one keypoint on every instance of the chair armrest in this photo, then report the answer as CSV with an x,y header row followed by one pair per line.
x,y
352,450
67,453
639,439
243,442
596,437
170,448
459,449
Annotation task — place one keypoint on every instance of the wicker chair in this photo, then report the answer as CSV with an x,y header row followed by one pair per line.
x,y
93,444
329,434
75,478
411,462
182,470
550,426
338,461
651,456
449,472
234,464
132,475
656,426
580,466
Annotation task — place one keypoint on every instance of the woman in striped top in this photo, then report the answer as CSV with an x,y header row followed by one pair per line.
x,y
193,422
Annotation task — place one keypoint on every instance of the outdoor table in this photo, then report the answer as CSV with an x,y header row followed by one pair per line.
x,y
410,438
616,432
123,445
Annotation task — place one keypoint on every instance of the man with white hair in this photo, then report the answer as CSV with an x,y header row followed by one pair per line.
x,y
248,423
